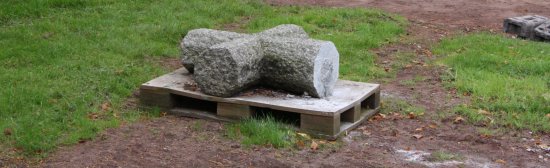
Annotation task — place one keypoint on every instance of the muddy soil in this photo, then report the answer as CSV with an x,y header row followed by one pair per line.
x,y
392,140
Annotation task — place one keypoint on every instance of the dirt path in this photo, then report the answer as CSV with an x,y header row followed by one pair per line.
x,y
390,141
460,14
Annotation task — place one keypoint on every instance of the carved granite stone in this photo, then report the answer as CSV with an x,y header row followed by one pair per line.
x,y
225,63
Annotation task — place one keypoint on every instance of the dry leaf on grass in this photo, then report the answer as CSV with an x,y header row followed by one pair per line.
x,y
484,112
314,145
300,144
458,120
304,136
7,131
105,106
412,115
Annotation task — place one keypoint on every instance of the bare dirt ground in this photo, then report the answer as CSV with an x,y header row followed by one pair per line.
x,y
386,141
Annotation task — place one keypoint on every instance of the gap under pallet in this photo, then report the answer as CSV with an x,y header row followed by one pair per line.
x,y
351,104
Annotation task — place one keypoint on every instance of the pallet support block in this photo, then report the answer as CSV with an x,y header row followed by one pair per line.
x,y
321,125
373,101
352,115
234,111
156,98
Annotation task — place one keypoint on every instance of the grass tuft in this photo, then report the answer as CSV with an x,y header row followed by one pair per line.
x,y
441,156
265,131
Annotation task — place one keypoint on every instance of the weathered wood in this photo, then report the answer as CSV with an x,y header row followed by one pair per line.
x,y
352,103
346,95
234,111
322,125
156,98
372,101
193,113
352,114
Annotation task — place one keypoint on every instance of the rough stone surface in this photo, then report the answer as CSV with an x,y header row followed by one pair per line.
x,y
524,26
300,65
226,69
199,40
543,31
282,57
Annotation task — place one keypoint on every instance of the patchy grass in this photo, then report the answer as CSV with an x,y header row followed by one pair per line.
x,y
508,79
441,156
395,105
68,65
266,131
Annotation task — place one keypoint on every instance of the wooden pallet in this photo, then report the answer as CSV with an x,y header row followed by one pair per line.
x,y
351,104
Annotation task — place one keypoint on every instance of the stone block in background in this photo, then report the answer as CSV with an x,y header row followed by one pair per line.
x,y
524,26
542,32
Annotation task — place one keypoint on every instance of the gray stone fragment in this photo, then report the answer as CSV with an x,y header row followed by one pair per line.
x,y
300,65
543,32
199,40
523,26
228,68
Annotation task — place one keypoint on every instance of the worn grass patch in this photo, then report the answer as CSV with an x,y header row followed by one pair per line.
x,y
396,105
441,156
509,79
68,65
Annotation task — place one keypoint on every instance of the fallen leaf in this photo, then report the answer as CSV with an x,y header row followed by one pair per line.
x,y
548,115
7,131
304,136
162,114
484,112
418,136
500,161
300,144
314,145
408,66
366,132
458,120
411,115
419,130
387,69
105,106
394,132
433,126
93,116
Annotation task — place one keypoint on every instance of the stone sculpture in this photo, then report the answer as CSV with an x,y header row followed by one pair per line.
x,y
532,27
225,63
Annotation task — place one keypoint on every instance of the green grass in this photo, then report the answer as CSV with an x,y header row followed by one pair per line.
x,y
265,131
509,78
62,59
396,105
